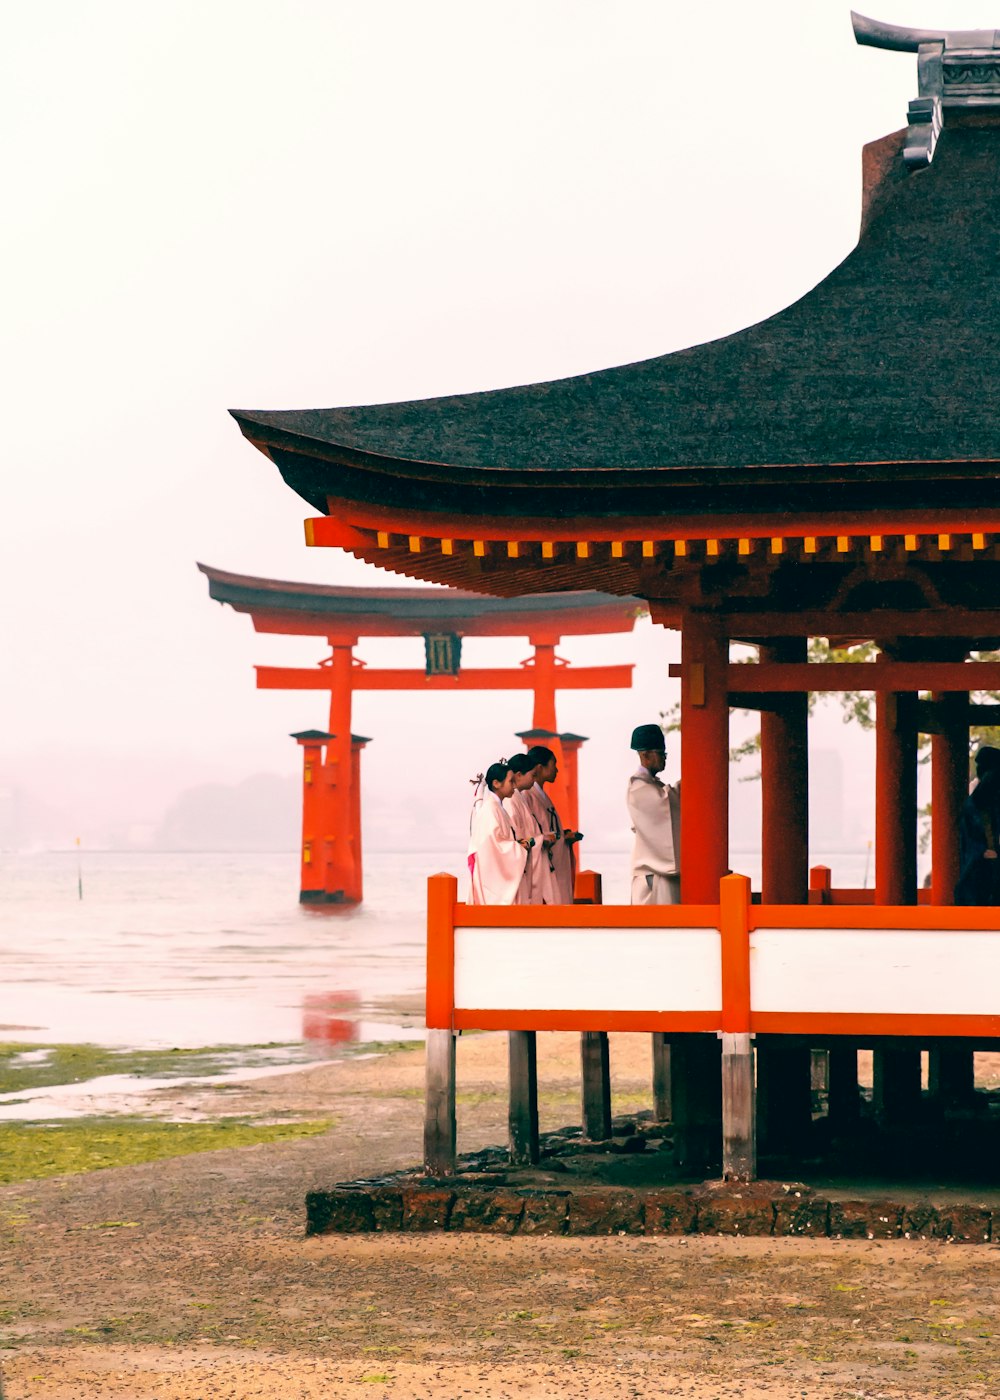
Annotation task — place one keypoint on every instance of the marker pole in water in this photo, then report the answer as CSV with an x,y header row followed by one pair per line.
x,y
79,870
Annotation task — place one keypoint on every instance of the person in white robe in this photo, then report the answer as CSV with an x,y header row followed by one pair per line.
x,y
498,859
654,811
560,843
527,827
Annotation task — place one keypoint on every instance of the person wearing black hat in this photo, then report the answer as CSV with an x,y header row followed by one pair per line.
x,y
979,834
654,810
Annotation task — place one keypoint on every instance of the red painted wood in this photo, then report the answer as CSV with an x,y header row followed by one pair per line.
x,y
949,787
704,758
471,678
442,892
863,1024
775,677
468,1019
895,801
344,839
734,924
784,770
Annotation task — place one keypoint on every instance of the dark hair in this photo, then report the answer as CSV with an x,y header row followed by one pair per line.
x,y
522,763
496,773
538,753
987,758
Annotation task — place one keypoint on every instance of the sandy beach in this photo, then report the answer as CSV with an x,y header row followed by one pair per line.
x,y
192,1277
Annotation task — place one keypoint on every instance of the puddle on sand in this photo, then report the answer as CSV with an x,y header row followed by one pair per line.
x,y
132,1094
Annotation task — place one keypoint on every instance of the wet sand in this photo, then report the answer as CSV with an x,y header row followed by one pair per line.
x,y
192,1277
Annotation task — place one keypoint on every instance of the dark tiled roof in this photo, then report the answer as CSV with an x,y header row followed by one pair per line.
x,y
893,358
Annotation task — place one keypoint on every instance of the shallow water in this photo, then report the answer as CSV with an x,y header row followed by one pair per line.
x,y
202,949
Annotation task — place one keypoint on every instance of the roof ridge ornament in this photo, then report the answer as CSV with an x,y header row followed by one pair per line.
x,y
957,69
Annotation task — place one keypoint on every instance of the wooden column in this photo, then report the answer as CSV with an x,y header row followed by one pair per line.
x,y
704,758
311,871
571,745
595,1066
951,1068
355,894
439,1104
522,1117
739,1127
662,1108
895,799
340,871
784,772
896,1070
843,1096
784,1068
696,1096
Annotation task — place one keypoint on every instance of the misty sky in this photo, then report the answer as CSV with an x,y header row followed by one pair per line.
x,y
269,205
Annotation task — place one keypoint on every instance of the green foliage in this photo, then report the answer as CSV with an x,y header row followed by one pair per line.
x,y
32,1150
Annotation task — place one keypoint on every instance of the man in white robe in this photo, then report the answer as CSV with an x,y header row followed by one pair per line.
x,y
654,811
497,860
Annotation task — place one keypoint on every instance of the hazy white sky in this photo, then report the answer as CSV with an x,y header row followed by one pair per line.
x,y
304,204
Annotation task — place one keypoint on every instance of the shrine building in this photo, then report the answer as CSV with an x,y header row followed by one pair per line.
x,y
830,472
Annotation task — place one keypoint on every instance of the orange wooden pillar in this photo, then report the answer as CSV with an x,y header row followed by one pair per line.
x,y
783,1066
315,794
951,1077
896,1072
571,746
356,893
704,758
544,666
949,789
344,840
784,771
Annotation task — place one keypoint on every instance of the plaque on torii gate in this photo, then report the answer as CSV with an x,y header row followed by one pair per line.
x,y
331,801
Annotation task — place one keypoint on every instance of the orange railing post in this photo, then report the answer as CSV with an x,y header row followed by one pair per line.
x,y
587,888
820,885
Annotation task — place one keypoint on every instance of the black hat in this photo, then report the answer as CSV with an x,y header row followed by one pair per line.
x,y
987,758
648,736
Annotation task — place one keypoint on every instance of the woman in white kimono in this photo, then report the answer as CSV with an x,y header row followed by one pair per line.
x,y
528,828
498,859
561,864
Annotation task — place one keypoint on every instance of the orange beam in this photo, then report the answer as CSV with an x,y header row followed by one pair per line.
x,y
342,527
476,678
790,677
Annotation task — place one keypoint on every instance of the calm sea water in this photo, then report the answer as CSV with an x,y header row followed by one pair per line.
x,y
187,950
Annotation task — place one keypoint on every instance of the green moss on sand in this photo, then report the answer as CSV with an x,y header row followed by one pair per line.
x,y
24,1066
31,1150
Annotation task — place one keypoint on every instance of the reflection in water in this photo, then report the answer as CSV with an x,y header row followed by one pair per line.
x,y
322,1017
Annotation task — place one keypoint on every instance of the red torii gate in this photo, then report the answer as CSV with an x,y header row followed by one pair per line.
x,y
331,769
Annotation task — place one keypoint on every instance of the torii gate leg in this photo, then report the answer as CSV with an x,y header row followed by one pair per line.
x,y
544,717
345,840
312,874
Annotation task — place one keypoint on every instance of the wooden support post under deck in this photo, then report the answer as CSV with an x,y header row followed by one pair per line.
x,y
696,1092
949,789
439,1104
522,1118
595,1068
844,1098
951,1077
784,1093
662,1109
896,1085
739,1118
